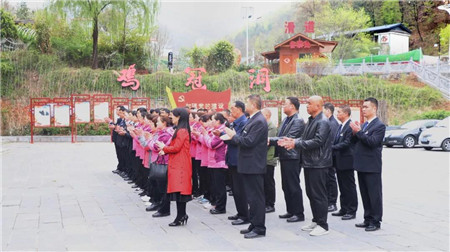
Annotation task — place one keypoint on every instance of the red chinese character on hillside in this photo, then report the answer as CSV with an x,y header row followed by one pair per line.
x,y
289,27
196,81
262,77
309,27
127,76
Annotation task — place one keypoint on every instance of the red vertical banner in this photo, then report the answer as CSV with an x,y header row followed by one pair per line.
x,y
101,107
140,102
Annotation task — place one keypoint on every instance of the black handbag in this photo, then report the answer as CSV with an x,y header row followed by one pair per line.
x,y
158,171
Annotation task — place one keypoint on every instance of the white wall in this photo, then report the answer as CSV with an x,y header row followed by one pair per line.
x,y
398,42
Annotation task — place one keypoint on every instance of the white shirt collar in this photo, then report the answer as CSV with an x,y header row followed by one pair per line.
x,y
369,121
343,124
253,114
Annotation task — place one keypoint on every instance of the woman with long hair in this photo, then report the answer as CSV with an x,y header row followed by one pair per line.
x,y
179,171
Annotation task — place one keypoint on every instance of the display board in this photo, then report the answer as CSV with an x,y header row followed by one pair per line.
x,y
42,115
140,103
274,108
118,101
101,106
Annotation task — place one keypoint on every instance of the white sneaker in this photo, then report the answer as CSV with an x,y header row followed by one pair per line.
x,y
148,203
145,198
318,231
310,227
207,205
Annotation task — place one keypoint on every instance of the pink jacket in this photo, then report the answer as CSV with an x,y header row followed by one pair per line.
x,y
217,150
164,136
204,149
147,152
193,146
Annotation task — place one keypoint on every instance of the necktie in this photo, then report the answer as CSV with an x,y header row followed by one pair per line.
x,y
338,132
364,126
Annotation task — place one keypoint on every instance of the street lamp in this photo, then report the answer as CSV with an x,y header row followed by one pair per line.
x,y
248,15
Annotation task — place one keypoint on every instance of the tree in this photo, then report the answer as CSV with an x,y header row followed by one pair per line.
x,y
445,38
90,9
391,12
139,13
23,12
159,41
414,8
197,56
220,57
337,23
8,28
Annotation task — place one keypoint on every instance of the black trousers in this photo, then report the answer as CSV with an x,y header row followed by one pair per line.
x,y
316,190
118,158
161,186
290,183
122,157
269,186
219,190
347,187
332,186
195,177
372,196
204,182
254,190
239,195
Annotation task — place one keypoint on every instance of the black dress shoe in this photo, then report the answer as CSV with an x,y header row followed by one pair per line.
x,y
339,213
348,217
158,214
270,209
230,193
152,207
285,216
134,186
129,181
362,225
143,193
372,227
239,222
115,171
215,211
233,217
332,208
296,218
246,231
253,234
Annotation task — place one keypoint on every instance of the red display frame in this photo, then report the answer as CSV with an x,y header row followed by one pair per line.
x,y
136,102
101,98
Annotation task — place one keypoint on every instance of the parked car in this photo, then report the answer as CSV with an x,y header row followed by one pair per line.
x,y
437,137
407,134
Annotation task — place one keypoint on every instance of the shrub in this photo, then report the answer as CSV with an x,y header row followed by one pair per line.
x,y
433,114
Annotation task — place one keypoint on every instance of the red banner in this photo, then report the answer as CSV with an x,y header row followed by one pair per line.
x,y
206,99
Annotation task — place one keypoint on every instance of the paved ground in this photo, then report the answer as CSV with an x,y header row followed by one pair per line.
x,y
62,196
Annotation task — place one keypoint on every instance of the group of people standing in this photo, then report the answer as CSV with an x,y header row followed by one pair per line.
x,y
206,151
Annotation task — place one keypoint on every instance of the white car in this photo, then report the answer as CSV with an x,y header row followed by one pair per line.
x,y
437,136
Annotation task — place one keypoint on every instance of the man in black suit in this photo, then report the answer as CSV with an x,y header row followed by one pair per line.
x,y
315,145
292,126
368,139
328,111
252,157
343,161
231,159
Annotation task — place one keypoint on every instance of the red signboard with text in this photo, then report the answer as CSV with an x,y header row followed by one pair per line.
x,y
205,99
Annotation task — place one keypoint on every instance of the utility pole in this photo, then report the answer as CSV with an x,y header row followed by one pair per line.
x,y
247,16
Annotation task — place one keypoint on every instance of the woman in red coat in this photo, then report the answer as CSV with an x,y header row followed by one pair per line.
x,y
179,170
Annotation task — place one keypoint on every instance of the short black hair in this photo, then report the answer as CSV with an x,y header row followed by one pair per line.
x,y
329,106
346,109
122,108
219,117
165,110
241,105
256,100
373,101
294,101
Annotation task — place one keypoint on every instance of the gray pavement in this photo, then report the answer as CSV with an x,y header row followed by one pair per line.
x,y
63,196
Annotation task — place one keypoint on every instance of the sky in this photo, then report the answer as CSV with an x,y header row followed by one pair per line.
x,y
199,22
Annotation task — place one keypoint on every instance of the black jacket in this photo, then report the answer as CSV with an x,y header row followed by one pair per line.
x,y
343,149
252,142
368,147
315,143
294,129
